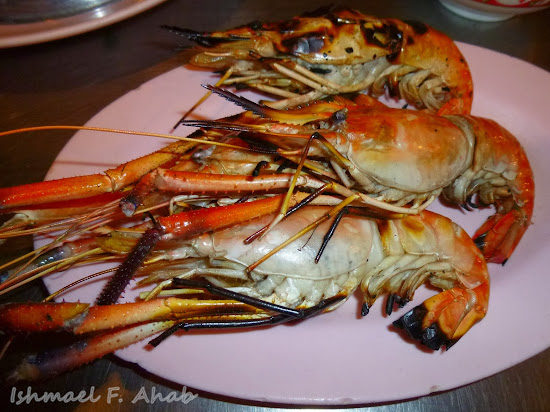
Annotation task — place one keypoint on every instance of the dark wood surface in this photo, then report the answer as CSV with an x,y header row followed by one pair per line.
x,y
68,81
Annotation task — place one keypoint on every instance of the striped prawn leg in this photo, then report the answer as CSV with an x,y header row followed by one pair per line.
x,y
101,330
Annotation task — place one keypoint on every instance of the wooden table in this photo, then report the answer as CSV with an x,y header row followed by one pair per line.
x,y
68,81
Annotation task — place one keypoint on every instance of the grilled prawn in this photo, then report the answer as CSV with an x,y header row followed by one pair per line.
x,y
340,51
392,161
378,256
406,157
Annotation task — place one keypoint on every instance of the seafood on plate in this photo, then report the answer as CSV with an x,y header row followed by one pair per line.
x,y
212,265
336,51
230,203
407,158
393,161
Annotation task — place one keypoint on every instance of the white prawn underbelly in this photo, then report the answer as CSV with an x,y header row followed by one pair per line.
x,y
291,277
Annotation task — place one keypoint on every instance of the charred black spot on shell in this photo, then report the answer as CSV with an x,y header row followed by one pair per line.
x,y
432,336
255,25
418,27
480,241
411,322
386,36
396,42
320,70
340,115
349,50
383,226
370,37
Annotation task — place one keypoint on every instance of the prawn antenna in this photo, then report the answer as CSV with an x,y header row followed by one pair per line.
x,y
239,101
202,39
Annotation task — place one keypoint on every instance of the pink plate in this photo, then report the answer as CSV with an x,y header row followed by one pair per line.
x,y
339,358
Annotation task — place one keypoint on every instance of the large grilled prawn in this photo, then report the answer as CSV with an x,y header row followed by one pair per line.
x,y
340,51
393,161
378,256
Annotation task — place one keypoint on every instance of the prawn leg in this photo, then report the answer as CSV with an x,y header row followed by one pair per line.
x,y
124,324
284,314
501,233
191,183
49,364
82,318
79,187
105,329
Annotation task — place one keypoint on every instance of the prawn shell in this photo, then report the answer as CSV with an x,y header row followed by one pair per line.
x,y
430,151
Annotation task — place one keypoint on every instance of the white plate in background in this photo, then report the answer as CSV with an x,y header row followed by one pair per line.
x,y
22,34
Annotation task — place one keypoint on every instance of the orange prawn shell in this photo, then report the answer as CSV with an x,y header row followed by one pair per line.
x,y
348,37
423,47
493,138
319,40
380,139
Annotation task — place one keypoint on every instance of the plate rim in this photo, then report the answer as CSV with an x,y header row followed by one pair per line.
x,y
25,34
